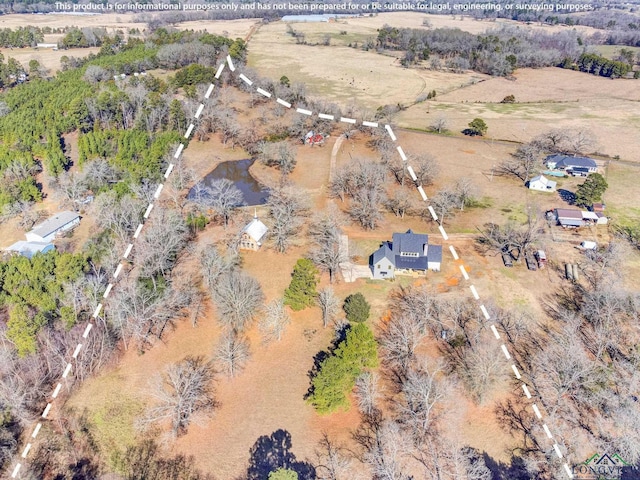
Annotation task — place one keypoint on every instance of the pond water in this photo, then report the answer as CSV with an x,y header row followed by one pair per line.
x,y
237,171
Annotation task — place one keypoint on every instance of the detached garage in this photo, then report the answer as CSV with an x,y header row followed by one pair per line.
x,y
50,228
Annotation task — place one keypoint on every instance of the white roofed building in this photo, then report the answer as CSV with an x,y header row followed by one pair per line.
x,y
252,235
29,249
542,184
50,228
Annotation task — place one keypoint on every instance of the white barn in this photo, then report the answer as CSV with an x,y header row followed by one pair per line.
x,y
252,235
542,184
50,228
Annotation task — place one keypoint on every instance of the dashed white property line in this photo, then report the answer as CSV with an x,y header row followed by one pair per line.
x,y
96,312
25,452
304,111
168,172
443,233
325,116
568,470
16,470
284,103
433,215
348,120
495,332
87,330
138,230
391,134
179,150
189,130
197,115
206,95
158,191
516,372
230,63
263,92
219,72
526,390
557,449
370,124
536,410
67,369
245,79
77,351
456,257
401,152
118,270
546,430
474,292
464,272
46,410
56,391
108,290
484,311
422,194
505,351
148,211
412,173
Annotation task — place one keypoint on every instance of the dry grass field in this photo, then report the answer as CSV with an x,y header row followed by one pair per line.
x,y
546,98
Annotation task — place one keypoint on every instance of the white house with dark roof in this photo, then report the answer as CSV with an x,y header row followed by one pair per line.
x,y
48,230
572,164
542,184
407,253
252,235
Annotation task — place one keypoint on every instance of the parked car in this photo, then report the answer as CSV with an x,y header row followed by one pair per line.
x,y
588,245
506,259
531,262
541,257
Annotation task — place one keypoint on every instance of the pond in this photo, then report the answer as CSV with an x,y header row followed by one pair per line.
x,y
237,171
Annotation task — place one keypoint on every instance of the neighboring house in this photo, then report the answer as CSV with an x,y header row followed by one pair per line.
x,y
29,249
252,235
50,228
542,184
569,218
407,253
568,164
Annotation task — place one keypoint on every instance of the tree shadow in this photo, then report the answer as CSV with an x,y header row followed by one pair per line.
x,y
515,470
567,196
272,452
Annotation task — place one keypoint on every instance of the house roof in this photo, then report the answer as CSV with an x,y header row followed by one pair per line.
x,y
383,252
568,213
434,254
409,242
566,161
255,229
29,249
543,180
54,223
589,215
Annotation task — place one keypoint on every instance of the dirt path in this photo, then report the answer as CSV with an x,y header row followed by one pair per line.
x,y
334,155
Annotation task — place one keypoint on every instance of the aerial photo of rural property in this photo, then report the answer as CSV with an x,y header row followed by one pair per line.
x,y
314,240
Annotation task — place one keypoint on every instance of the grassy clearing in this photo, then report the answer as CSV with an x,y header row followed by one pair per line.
x,y
612,51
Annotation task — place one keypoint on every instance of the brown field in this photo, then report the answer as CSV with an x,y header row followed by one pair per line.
x,y
547,98
342,74
228,28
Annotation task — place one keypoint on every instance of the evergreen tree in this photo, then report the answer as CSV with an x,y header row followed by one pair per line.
x,y
301,292
338,373
283,474
591,190
478,126
356,307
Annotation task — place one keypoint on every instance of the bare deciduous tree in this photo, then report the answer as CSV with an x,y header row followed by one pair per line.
x,y
223,197
286,207
232,353
214,264
183,390
425,167
439,124
399,203
329,305
238,298
368,392
333,460
325,231
274,320
522,162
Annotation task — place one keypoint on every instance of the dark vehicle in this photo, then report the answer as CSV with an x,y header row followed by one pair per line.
x,y
506,259
531,262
